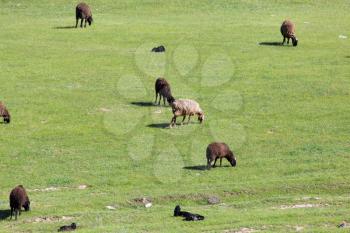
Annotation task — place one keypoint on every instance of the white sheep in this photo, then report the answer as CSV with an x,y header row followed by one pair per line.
x,y
186,107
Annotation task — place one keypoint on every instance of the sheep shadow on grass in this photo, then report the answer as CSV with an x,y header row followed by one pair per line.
x,y
160,125
143,104
271,43
196,168
64,27
4,214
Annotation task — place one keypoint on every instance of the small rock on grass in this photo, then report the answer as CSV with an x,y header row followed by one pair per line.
x,y
111,207
145,201
213,200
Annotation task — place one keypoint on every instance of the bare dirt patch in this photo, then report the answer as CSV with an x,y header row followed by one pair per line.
x,y
48,189
49,219
239,193
180,197
52,189
142,201
241,230
298,206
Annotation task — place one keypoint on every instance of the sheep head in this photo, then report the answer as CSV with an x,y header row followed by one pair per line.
x,y
7,119
170,99
73,225
231,158
201,117
177,210
90,20
294,41
26,205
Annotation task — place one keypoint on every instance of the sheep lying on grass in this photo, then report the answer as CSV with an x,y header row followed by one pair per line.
x,y
162,87
83,12
158,49
288,31
220,150
70,227
19,199
186,107
187,215
4,113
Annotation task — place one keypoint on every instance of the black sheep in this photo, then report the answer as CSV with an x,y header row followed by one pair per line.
x,y
70,227
162,87
19,199
4,113
83,12
159,49
187,215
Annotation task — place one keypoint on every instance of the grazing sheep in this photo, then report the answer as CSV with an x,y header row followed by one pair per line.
x,y
288,31
158,49
162,87
220,150
83,12
70,227
186,107
187,215
4,113
19,199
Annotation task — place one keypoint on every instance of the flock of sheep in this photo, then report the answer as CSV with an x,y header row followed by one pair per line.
x,y
180,107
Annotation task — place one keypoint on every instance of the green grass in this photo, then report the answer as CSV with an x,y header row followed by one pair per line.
x,y
283,110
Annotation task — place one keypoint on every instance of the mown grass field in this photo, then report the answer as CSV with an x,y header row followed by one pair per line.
x,y
79,100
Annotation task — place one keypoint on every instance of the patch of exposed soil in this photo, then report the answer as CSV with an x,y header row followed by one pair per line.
x,y
49,219
241,230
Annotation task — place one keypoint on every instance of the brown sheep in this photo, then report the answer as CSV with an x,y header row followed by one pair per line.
x,y
162,87
288,31
83,12
4,113
19,199
220,150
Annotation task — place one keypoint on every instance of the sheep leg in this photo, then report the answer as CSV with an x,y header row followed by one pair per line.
x,y
189,118
288,40
85,23
284,40
164,100
208,164
160,97
183,119
215,162
173,121
81,23
76,24
220,161
156,98
16,212
11,213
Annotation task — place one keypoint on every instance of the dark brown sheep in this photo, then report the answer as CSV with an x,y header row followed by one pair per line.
x,y
220,150
4,113
162,87
288,31
83,12
19,199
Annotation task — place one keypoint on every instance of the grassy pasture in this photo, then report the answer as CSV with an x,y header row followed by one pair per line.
x,y
81,115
